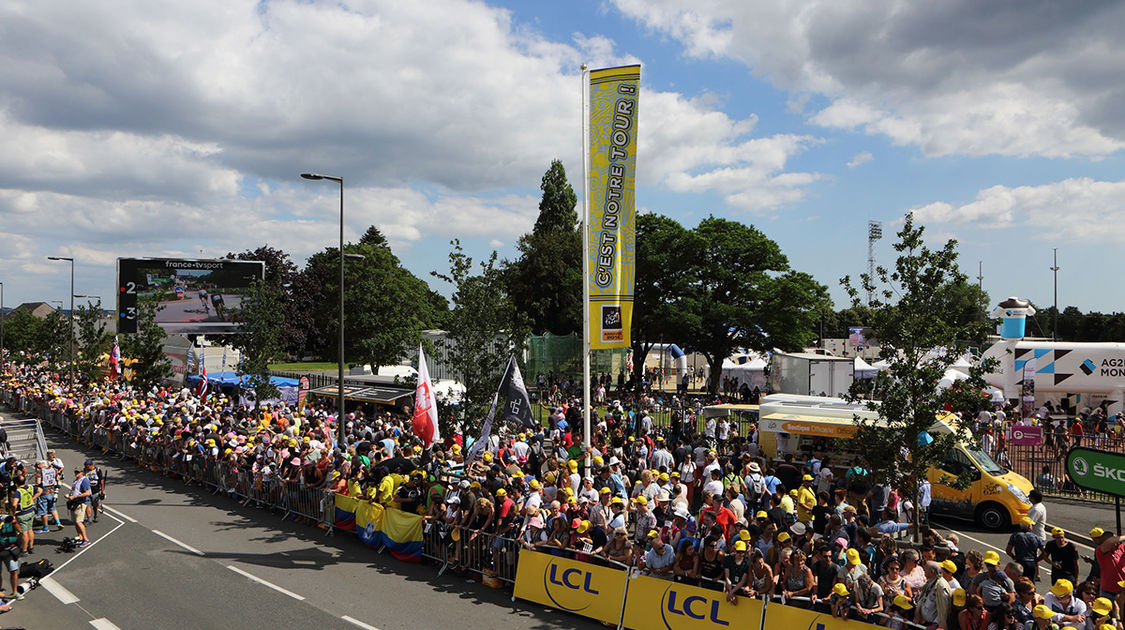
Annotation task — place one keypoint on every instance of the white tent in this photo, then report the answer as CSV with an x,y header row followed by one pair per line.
x,y
752,371
864,370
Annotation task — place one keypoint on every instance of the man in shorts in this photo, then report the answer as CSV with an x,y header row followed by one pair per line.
x,y
97,489
23,505
45,505
10,534
77,502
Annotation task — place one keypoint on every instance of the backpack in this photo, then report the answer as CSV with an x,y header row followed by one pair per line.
x,y
38,570
758,484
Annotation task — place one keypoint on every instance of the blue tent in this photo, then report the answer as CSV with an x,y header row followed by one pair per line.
x,y
230,379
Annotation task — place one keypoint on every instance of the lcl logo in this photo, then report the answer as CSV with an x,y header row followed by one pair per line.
x,y
693,606
574,580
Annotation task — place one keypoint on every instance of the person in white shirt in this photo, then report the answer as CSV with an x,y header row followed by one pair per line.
x,y
1038,515
824,477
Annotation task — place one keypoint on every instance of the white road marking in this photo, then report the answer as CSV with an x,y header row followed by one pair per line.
x,y
58,590
359,623
265,583
86,548
176,542
104,624
119,513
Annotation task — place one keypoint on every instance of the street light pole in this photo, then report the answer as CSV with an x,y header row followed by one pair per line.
x,y
71,322
1055,269
340,442
1,324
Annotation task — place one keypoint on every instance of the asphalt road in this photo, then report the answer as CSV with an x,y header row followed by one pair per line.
x,y
190,309
176,556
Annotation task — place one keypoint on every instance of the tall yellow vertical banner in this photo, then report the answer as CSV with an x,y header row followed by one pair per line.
x,y
611,222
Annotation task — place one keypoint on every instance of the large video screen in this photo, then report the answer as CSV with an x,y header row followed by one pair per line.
x,y
192,296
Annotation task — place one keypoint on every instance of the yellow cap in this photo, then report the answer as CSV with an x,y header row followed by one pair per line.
x,y
991,557
853,556
761,514
652,533
571,501
744,535
583,527
792,493
501,492
604,491
806,478
1062,587
949,566
1027,521
664,476
958,596
573,465
1042,612
616,501
533,484
1102,605
1058,531
840,590
782,537
739,545
902,602
487,456
455,534
641,500
1096,532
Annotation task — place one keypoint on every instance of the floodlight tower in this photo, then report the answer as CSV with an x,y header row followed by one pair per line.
x,y
874,233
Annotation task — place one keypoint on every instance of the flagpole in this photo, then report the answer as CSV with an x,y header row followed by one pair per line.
x,y
586,263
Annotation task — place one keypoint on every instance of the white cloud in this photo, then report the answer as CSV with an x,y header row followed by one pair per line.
x,y
955,77
863,157
1078,209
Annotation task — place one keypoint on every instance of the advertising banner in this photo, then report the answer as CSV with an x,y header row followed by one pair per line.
x,y
1031,435
578,587
610,193
780,616
656,603
1097,470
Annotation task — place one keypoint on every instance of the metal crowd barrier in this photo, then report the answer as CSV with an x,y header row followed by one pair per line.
x,y
293,497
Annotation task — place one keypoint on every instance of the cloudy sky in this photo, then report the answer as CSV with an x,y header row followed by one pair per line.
x,y
179,128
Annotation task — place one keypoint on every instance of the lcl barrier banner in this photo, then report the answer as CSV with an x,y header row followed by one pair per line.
x,y
611,223
578,587
376,526
656,603
782,616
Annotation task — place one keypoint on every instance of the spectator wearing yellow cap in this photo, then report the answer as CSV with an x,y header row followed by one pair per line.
x,y
1109,551
1062,555
1066,607
1024,547
643,520
736,572
992,584
839,601
806,500
1101,613
659,558
1041,618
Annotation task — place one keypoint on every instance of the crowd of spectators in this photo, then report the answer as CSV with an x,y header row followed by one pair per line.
x,y
703,508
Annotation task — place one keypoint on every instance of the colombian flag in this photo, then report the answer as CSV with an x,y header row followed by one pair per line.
x,y
345,512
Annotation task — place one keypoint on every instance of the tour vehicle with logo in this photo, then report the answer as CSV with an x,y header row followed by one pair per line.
x,y
995,498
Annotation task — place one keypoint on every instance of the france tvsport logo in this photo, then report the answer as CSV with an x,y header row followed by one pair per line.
x,y
613,324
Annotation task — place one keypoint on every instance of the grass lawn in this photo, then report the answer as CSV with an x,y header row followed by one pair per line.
x,y
300,366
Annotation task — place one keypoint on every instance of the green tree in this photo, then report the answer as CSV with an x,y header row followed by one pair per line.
x,y
281,276
546,280
24,332
262,318
741,293
920,338
93,341
385,306
146,347
661,279
484,328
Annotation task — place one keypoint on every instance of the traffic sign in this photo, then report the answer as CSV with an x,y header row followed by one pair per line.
x,y
1097,470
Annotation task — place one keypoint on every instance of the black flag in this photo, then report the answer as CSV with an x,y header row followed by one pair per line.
x,y
517,404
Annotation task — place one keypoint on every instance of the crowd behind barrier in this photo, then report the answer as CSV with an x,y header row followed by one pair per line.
x,y
666,504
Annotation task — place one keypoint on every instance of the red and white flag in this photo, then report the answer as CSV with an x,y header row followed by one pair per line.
x,y
115,360
425,405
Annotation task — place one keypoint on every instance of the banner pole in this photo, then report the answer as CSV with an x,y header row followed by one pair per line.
x,y
585,91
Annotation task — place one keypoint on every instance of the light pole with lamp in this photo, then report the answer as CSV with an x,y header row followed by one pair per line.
x,y
1,323
71,322
340,442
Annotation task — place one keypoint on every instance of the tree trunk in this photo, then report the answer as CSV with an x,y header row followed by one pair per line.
x,y
716,368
